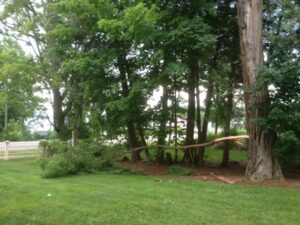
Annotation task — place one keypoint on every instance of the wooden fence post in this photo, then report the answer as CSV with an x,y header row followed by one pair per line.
x,y
6,156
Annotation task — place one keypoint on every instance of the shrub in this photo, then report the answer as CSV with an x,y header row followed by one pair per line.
x,y
288,150
60,159
58,166
180,171
53,147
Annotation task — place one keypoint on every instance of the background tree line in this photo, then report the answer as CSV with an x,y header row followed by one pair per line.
x,y
103,60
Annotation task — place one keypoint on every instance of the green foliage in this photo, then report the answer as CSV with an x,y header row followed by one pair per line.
x,y
58,166
59,159
180,171
50,148
103,60
16,131
288,149
18,76
282,75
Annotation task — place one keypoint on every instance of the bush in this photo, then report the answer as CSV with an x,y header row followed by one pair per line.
x,y
58,166
288,150
60,159
180,171
51,148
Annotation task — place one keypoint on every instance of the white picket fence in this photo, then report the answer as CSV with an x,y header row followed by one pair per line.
x,y
19,149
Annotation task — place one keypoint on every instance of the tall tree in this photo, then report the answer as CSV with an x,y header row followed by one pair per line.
x,y
29,22
262,164
18,85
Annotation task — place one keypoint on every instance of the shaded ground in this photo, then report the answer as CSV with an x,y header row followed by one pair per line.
x,y
211,172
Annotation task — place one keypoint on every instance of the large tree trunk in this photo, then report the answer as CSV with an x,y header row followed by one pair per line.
x,y
58,114
261,162
191,81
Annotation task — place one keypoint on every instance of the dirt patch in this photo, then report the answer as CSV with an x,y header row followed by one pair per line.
x,y
234,174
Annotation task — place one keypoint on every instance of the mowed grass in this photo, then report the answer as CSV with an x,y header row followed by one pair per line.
x,y
26,198
215,155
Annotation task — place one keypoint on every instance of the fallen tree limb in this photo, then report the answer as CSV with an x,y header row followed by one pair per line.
x,y
216,141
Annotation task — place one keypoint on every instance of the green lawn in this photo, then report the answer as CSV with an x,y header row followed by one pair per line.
x,y
215,155
26,198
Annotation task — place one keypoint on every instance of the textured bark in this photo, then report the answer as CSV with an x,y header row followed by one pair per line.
x,y
133,141
261,162
58,114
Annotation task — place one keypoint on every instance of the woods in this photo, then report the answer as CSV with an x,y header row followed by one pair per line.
x,y
143,73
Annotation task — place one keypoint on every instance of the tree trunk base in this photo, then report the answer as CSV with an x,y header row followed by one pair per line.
x,y
265,169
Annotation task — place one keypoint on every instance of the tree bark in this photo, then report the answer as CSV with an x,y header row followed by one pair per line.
x,y
261,162
175,124
162,134
191,81
58,114
132,137
144,143
202,138
228,115
198,114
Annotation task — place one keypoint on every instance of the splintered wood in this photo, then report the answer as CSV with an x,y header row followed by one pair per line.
x,y
216,141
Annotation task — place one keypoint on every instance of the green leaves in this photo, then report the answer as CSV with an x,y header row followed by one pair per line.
x,y
18,78
193,34
134,23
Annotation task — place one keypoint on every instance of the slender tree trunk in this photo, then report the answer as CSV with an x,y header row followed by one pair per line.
x,y
132,137
198,115
162,133
175,125
170,131
194,70
133,142
262,164
141,132
229,105
216,126
203,136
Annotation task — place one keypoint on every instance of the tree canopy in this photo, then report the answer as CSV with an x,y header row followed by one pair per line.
x,y
103,61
